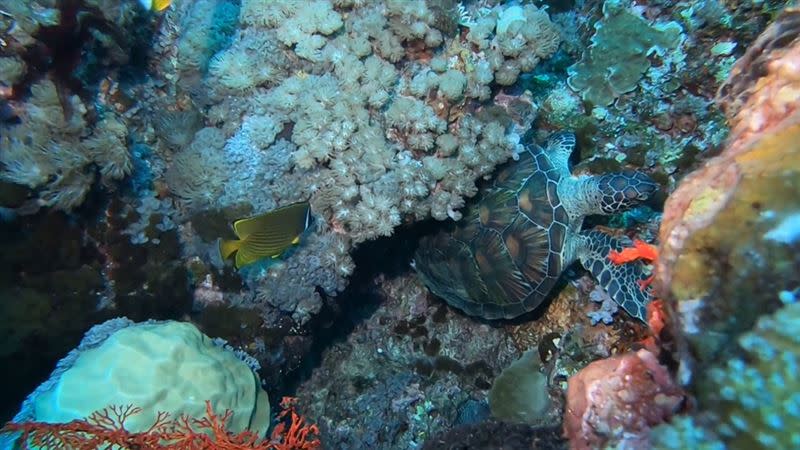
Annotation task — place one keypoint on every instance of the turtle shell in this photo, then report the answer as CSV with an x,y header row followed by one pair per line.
x,y
505,255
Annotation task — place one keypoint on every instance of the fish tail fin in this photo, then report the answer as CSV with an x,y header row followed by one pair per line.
x,y
228,246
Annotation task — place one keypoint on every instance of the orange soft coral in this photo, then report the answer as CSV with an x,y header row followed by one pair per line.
x,y
641,251
106,428
648,253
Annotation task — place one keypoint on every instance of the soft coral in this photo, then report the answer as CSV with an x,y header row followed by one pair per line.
x,y
642,251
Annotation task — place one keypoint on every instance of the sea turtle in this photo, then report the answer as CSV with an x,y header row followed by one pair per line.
x,y
504,256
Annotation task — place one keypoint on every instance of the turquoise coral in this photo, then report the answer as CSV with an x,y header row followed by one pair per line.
x,y
685,432
758,394
753,401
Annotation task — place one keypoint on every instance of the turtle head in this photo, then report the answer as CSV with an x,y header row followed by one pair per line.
x,y
624,190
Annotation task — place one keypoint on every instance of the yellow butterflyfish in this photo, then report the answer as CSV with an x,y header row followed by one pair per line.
x,y
266,235
155,5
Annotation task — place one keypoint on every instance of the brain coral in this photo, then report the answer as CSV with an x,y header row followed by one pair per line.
x,y
158,366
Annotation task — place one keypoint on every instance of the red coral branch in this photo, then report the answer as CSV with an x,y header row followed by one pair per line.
x,y
106,428
641,251
299,436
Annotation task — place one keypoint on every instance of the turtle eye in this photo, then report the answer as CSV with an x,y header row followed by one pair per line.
x,y
644,185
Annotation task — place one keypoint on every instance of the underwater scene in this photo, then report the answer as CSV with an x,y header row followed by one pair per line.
x,y
399,224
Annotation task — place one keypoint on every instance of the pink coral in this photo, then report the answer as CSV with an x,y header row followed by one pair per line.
x,y
619,398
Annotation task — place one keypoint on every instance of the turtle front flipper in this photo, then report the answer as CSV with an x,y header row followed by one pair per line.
x,y
621,282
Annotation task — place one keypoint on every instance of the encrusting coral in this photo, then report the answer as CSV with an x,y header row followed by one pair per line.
x,y
618,56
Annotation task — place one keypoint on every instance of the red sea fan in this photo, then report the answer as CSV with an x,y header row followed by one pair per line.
x,y
107,428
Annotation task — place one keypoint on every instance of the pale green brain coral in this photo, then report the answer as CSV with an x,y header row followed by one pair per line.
x,y
166,366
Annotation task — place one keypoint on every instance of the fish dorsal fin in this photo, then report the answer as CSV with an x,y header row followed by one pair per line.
x,y
290,217
160,5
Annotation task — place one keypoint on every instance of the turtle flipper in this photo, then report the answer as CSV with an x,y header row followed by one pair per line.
x,y
447,267
621,282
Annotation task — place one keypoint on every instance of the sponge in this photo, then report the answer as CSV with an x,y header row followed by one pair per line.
x,y
157,366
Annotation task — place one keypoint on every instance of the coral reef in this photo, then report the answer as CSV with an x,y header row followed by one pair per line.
x,y
418,156
498,435
378,114
57,158
213,23
750,401
193,175
129,140
294,285
755,394
517,36
729,250
59,60
738,211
